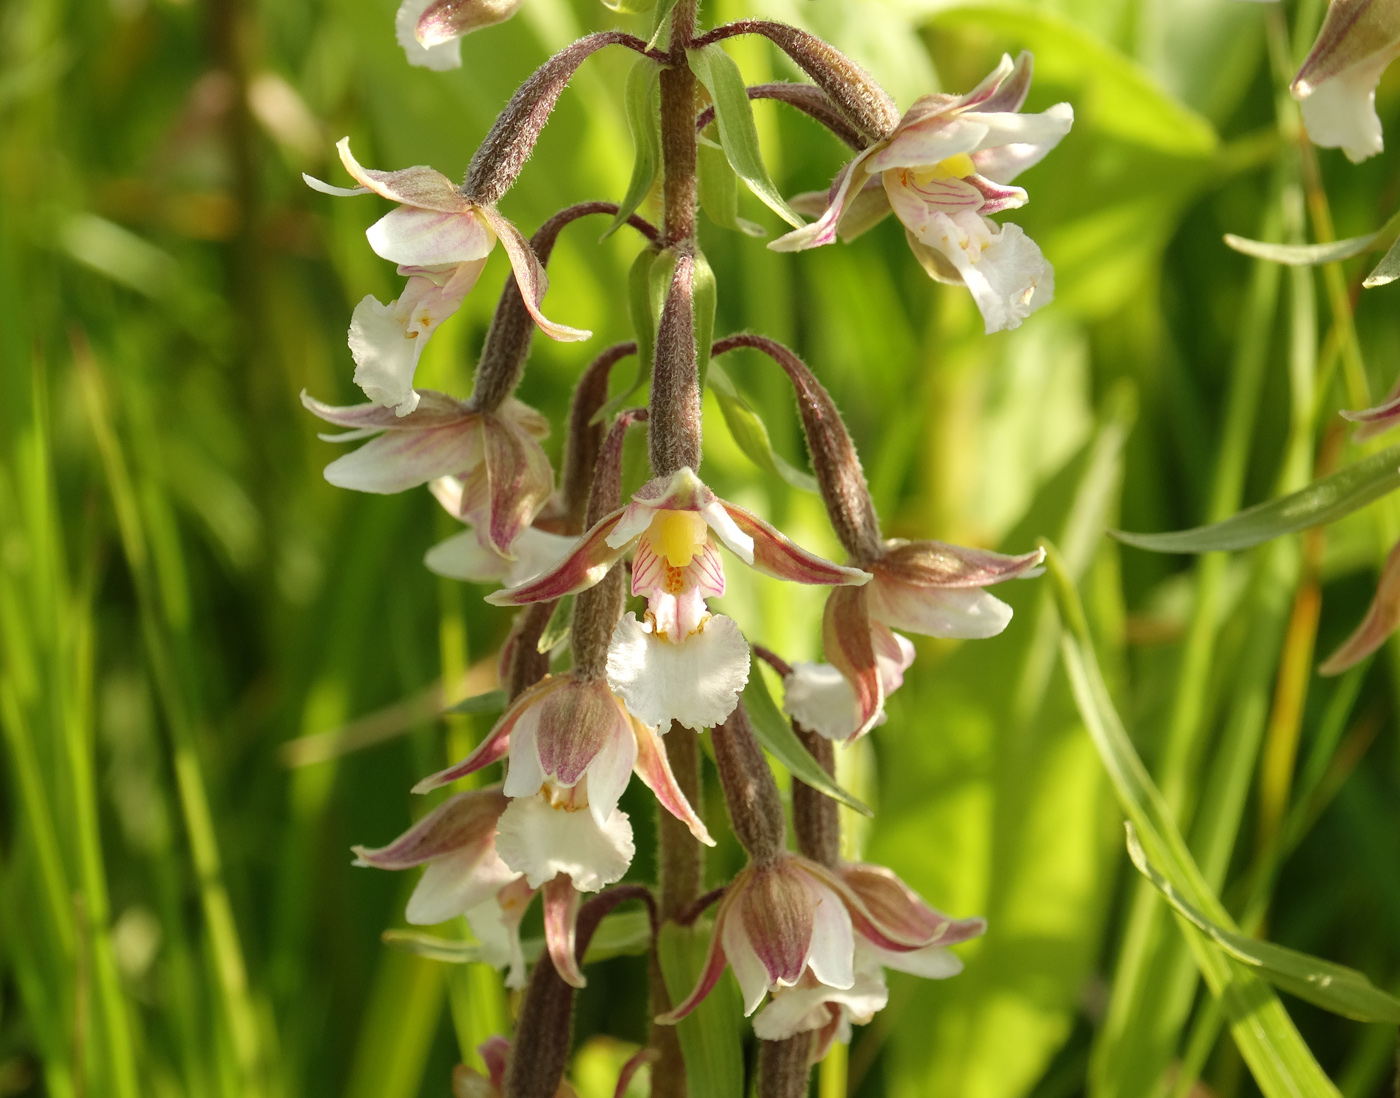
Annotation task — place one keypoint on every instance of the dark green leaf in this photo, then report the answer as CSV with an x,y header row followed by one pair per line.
x,y
493,701
643,314
1387,270
737,133
1333,987
779,740
556,630
704,296
1323,501
644,120
719,190
709,1036
751,434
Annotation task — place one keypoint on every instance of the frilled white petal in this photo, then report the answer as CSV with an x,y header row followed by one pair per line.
x,y
744,961
490,930
833,940
412,237
1340,112
818,698
609,773
540,842
696,682
525,775
933,962
463,557
801,1009
385,354
968,613
893,656
455,882
1006,273
447,55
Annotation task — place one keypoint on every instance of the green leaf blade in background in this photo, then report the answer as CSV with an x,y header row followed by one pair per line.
x,y
643,104
751,434
709,1035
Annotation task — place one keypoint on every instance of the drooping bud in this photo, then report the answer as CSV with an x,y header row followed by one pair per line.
x,y
1337,82
855,92
512,139
751,795
675,388
444,20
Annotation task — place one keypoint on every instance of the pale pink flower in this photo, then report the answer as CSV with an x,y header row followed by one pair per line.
x,y
946,167
503,475
471,556
818,697
439,239
680,662
1336,86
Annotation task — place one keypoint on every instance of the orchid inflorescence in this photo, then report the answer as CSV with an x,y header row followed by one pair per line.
x,y
806,930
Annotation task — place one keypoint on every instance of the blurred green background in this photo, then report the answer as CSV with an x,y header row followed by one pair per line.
x,y
182,594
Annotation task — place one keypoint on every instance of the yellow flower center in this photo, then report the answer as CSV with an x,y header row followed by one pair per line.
x,y
954,167
678,536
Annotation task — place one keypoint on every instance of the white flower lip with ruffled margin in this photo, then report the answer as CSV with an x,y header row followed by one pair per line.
x,y
793,923
503,475
925,587
945,168
470,556
440,239
818,697
1336,85
430,31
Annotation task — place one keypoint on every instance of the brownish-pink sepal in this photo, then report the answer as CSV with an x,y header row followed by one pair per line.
x,y
494,1052
467,819
715,959
434,410
588,563
776,909
420,186
633,1065
1352,32
497,742
890,914
654,768
561,904
775,555
848,647
519,478
1378,420
938,564
529,274
1381,620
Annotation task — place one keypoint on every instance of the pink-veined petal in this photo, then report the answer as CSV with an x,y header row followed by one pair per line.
x,y
891,915
561,904
401,459
445,20
1011,86
1003,163
438,56
588,563
497,742
847,185
463,557
413,237
529,276
967,613
524,775
514,902
494,1052
519,477
420,186
817,696
467,819
774,555
939,564
696,682
846,642
776,910
1382,618
654,768
715,961
933,962
925,143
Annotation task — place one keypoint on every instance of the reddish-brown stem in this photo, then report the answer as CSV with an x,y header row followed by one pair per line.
x,y
816,817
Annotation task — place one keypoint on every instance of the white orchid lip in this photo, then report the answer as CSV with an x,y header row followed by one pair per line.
x,y
696,682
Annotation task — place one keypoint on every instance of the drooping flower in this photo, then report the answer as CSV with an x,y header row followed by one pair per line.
x,y
925,587
572,747
430,31
818,697
463,874
440,240
791,924
946,167
1381,620
504,475
471,556
1336,85
680,662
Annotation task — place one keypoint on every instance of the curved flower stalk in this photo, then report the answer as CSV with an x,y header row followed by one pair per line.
x,y
440,240
430,31
946,167
680,662
792,925
463,875
1336,85
505,476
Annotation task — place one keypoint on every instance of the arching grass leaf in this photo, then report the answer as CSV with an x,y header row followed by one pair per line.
x,y
719,190
1387,270
557,628
1323,501
493,701
751,434
1302,255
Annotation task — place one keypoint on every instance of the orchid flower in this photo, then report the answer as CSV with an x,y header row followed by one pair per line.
x,y
430,31
464,875
572,747
440,239
792,924
1336,85
680,662
925,587
817,696
471,556
945,168
505,476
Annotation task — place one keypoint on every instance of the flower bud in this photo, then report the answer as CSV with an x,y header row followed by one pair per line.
x,y
675,389
1337,83
751,795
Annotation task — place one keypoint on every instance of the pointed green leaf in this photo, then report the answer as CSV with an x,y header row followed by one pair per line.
x,y
737,133
1322,501
709,1036
1333,987
643,105
1387,270
662,22
556,629
719,190
493,701
704,298
779,740
751,434
1302,255
641,309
